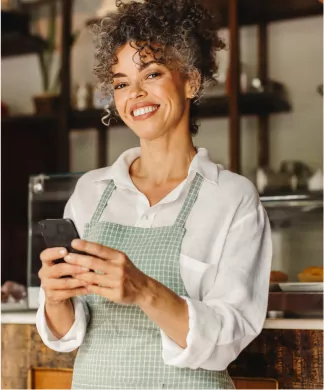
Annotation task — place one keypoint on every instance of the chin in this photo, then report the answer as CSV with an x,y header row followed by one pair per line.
x,y
147,132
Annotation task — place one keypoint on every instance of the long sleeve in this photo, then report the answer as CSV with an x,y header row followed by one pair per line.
x,y
74,338
232,312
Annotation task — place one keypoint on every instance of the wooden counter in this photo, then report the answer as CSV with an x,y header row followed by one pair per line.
x,y
292,356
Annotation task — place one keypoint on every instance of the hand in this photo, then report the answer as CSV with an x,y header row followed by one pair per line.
x,y
58,289
119,280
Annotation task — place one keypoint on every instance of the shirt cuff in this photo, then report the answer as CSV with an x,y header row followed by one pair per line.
x,y
74,338
204,329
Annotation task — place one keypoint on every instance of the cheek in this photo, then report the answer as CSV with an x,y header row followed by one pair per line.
x,y
120,104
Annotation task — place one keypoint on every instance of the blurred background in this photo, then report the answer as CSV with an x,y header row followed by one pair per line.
x,y
264,119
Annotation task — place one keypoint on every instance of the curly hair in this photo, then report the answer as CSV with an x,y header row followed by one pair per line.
x,y
186,34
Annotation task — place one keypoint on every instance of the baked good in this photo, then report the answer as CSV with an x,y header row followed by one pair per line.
x,y
311,274
278,277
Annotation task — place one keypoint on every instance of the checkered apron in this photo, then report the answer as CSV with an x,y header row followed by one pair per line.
x,y
122,348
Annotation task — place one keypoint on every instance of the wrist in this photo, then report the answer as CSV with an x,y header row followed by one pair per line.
x,y
57,304
147,294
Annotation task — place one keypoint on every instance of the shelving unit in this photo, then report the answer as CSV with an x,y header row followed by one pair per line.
x,y
15,37
252,103
255,11
18,44
232,13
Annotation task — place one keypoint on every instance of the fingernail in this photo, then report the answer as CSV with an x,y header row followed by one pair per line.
x,y
85,269
68,257
76,241
62,251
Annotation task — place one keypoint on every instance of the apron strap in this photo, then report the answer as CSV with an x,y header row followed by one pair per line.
x,y
189,201
103,202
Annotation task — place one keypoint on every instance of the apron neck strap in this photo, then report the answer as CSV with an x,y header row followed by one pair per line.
x,y
184,212
103,202
189,201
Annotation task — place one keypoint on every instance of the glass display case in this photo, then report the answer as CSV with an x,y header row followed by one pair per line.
x,y
297,231
296,281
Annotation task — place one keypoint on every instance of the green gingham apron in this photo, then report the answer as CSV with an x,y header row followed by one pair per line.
x,y
122,348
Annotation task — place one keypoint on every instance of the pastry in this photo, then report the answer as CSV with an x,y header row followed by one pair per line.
x,y
311,274
278,277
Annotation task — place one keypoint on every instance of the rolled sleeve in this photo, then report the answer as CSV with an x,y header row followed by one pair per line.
x,y
74,338
232,311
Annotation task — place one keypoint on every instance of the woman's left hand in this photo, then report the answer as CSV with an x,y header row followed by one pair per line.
x,y
118,281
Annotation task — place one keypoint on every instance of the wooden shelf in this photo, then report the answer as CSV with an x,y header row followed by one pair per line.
x,y
251,103
254,103
36,3
14,44
256,11
27,120
90,118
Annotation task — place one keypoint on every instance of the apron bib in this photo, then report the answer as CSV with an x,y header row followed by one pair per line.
x,y
122,348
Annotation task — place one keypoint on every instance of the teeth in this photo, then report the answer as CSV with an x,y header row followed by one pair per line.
x,y
144,110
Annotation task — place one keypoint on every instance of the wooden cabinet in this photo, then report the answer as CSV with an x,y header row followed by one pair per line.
x,y
61,378
293,358
49,378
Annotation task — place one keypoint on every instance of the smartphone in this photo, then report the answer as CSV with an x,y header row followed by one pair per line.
x,y
59,233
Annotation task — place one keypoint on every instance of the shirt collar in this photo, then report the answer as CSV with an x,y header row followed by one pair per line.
x,y
119,171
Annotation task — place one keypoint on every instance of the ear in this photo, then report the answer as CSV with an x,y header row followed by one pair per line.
x,y
194,83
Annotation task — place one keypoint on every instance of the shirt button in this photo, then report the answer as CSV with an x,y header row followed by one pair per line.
x,y
145,217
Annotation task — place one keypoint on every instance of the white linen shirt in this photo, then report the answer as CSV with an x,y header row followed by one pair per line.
x,y
225,257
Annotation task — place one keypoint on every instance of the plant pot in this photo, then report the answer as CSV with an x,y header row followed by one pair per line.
x,y
46,104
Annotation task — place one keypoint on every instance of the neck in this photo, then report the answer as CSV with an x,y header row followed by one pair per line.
x,y
164,160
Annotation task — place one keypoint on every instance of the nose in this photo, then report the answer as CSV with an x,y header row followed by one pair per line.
x,y
136,92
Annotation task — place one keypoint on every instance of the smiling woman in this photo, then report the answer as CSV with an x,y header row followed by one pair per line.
x,y
151,99
181,248
182,37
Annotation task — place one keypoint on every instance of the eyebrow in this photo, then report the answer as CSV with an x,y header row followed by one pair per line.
x,y
141,68
118,75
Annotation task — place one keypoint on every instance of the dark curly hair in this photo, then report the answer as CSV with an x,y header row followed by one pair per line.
x,y
186,34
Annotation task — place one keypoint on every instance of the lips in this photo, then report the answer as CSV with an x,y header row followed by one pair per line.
x,y
143,108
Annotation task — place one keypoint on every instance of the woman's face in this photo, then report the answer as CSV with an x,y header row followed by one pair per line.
x,y
151,99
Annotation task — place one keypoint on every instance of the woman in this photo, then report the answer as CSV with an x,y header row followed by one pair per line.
x,y
180,246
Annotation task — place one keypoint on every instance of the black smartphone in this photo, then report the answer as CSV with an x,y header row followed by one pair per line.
x,y
59,233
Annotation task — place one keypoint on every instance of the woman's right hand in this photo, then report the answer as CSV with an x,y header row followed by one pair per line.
x,y
58,289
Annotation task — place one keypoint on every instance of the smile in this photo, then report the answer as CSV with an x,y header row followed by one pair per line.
x,y
144,111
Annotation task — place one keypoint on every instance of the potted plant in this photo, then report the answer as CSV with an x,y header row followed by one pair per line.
x,y
48,101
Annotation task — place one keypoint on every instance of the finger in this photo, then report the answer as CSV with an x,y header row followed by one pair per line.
x,y
63,284
50,254
103,291
114,295
93,263
99,279
61,295
97,250
64,269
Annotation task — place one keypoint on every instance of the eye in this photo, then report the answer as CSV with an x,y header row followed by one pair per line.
x,y
153,75
120,86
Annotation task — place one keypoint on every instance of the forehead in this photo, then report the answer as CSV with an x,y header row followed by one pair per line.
x,y
132,55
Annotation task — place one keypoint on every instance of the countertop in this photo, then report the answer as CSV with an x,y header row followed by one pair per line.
x,y
29,317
